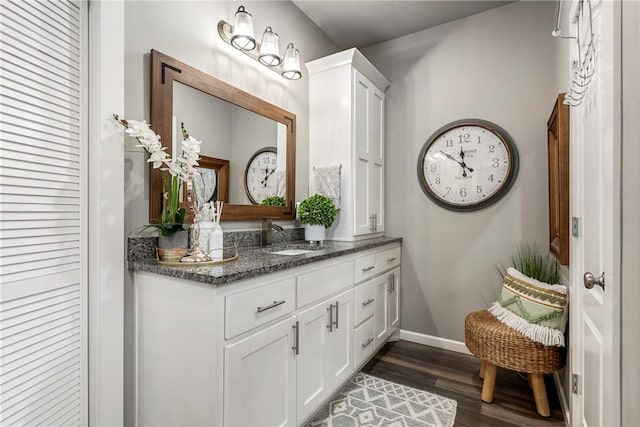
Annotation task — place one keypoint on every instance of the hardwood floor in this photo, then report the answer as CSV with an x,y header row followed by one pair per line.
x,y
455,375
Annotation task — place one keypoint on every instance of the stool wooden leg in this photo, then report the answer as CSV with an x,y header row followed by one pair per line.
x,y
530,383
540,394
483,367
489,382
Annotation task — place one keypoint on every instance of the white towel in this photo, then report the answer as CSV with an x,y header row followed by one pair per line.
x,y
281,184
326,181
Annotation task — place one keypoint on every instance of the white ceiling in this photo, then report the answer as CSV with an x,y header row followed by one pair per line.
x,y
365,23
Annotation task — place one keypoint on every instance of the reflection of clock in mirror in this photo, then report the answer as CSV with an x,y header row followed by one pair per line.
x,y
467,165
260,176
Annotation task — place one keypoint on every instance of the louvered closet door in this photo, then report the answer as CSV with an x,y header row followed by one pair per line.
x,y
43,285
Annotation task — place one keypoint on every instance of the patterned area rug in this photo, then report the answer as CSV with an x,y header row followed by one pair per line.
x,y
371,401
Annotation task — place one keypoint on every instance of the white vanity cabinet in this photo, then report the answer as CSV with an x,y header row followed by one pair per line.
x,y
260,378
269,350
346,127
324,359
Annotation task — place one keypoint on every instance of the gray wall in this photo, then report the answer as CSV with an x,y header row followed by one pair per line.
x,y
630,334
498,66
188,32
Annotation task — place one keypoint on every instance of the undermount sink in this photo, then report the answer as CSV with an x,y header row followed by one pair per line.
x,y
290,252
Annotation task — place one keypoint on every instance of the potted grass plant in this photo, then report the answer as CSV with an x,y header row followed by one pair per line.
x,y
532,301
317,212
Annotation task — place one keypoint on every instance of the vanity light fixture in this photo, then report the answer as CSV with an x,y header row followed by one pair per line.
x,y
241,37
269,49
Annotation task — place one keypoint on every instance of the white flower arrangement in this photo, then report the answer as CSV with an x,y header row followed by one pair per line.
x,y
181,168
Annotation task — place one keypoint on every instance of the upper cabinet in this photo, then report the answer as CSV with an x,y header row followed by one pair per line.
x,y
346,126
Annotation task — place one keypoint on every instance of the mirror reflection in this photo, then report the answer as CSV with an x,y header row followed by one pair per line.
x,y
235,128
253,146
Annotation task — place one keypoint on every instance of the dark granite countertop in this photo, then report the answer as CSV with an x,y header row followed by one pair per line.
x,y
257,261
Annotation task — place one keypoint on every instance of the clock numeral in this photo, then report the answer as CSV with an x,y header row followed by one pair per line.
x,y
492,148
463,192
449,143
437,180
496,162
491,178
433,167
464,138
479,141
479,189
448,190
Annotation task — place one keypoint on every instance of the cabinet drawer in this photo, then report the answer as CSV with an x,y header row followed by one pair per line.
x,y
365,267
364,300
247,310
387,260
321,283
363,341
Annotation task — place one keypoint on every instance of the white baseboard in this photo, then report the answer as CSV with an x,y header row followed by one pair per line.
x,y
564,402
437,342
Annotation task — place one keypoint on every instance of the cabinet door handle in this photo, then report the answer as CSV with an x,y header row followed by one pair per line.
x,y
393,282
369,341
390,260
367,302
389,283
268,307
365,269
296,342
330,325
337,313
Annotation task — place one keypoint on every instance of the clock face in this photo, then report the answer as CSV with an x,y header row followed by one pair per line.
x,y
467,165
260,176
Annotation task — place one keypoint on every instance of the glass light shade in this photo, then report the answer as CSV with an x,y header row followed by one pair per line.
x,y
291,66
242,37
269,50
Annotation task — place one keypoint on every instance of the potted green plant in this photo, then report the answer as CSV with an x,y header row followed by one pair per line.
x,y
181,168
532,301
274,201
317,212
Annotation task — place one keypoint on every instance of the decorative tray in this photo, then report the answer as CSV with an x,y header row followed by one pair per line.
x,y
229,253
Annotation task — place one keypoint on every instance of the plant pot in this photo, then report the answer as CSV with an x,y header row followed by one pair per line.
x,y
314,233
179,239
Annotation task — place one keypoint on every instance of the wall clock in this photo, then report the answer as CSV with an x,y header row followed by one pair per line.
x,y
467,165
259,176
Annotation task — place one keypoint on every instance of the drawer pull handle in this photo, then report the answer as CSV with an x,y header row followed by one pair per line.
x,y
330,310
367,302
275,304
369,341
371,267
296,328
390,260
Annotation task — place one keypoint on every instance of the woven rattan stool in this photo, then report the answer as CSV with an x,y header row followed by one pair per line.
x,y
496,344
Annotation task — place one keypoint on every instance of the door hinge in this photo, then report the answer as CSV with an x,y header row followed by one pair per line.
x,y
574,383
575,226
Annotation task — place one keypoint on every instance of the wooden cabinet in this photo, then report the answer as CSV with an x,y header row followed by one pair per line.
x,y
346,127
260,378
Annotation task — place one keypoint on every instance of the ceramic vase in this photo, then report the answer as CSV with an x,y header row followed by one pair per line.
x,y
179,239
314,233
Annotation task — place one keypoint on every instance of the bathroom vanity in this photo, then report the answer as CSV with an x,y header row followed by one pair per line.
x,y
264,340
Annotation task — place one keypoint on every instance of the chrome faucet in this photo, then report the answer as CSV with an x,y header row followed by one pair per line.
x,y
267,231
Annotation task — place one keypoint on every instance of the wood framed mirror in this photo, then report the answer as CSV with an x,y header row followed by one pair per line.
x,y
230,123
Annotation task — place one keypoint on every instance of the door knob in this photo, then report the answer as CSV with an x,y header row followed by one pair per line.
x,y
590,280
